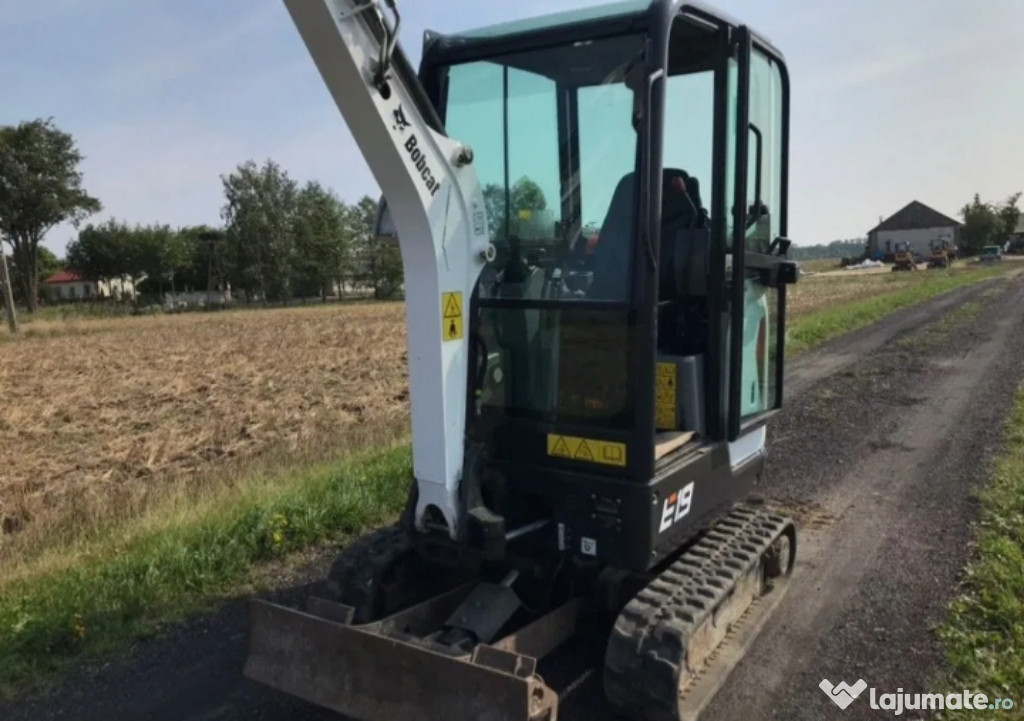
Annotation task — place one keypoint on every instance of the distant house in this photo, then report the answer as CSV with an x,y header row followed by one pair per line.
x,y
1018,232
1015,243
916,224
69,285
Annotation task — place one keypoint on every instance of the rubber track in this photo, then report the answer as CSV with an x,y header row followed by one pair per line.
x,y
646,653
358,570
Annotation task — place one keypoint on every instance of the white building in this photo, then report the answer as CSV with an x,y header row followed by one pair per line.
x,y
69,285
916,224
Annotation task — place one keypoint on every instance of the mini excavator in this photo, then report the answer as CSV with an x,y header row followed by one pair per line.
x,y
591,209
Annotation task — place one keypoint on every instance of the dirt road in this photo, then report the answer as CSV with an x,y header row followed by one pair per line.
x,y
883,439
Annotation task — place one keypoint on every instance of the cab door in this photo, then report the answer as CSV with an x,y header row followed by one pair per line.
x,y
757,268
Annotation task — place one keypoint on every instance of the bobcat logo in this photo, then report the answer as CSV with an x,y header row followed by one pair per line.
x,y
400,122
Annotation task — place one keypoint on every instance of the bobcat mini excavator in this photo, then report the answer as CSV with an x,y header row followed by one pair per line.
x,y
588,418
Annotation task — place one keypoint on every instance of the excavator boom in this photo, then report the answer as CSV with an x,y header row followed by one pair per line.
x,y
437,207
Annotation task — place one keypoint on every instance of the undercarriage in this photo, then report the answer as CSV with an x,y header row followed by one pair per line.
x,y
383,647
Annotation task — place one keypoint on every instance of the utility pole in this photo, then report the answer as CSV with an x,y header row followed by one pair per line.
x,y
5,276
211,238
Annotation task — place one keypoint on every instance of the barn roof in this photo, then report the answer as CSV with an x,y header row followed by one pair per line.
x,y
916,215
65,276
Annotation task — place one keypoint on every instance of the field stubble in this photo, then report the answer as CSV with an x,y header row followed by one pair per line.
x,y
104,419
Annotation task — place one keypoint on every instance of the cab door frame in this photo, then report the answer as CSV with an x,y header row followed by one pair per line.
x,y
768,267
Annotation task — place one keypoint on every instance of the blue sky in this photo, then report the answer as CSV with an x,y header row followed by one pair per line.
x,y
892,100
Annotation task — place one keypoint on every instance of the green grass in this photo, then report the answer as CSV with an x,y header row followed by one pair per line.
x,y
130,583
816,327
984,634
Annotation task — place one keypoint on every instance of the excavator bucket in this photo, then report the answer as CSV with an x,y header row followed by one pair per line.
x,y
390,670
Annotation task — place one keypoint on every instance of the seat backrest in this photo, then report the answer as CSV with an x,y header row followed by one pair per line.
x,y
680,209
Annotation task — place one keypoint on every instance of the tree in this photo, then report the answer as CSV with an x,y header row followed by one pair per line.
x,y
204,265
494,204
158,253
47,263
1009,215
102,252
40,187
321,243
259,216
378,260
525,196
984,224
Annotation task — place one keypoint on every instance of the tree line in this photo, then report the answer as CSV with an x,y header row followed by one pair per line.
x,y
836,249
279,239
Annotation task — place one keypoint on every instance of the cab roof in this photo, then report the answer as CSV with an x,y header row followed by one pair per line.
x,y
567,17
608,11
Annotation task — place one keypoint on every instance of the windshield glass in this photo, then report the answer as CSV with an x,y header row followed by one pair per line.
x,y
555,150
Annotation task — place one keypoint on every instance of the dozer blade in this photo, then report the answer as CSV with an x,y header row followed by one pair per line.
x,y
379,672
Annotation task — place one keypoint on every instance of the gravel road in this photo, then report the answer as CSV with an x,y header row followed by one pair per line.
x,y
883,439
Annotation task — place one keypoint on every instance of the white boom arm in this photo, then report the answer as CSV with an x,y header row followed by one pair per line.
x,y
437,207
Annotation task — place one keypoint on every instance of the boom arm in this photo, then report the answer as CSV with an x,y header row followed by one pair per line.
x,y
437,207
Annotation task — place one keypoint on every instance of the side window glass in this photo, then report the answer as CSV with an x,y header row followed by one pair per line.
x,y
607,148
533,172
688,141
764,173
474,111
763,216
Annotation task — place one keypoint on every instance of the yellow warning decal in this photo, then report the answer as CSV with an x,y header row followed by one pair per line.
x,y
588,450
451,311
665,417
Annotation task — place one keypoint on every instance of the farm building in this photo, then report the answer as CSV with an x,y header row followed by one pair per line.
x,y
1015,243
916,224
69,285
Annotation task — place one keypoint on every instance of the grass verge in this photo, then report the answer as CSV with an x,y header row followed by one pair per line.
x,y
133,581
984,633
817,326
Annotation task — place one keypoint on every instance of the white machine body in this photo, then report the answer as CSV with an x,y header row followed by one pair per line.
x,y
437,207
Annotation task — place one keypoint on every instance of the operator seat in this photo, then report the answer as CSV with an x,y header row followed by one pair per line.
x,y
681,209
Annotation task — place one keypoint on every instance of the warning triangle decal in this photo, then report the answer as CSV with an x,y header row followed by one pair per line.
x,y
583,452
561,449
452,309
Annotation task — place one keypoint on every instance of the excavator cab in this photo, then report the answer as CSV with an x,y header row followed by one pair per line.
x,y
609,187
664,127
